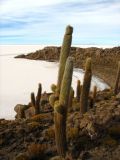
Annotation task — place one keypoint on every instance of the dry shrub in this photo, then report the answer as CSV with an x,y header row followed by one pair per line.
x,y
39,117
114,130
33,125
50,133
73,133
37,151
21,156
109,141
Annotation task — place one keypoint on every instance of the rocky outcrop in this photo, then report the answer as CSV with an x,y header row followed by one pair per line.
x,y
20,56
27,111
104,60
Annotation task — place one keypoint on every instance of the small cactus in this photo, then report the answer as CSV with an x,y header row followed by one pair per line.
x,y
65,50
78,90
86,87
93,97
71,96
94,92
60,109
52,99
36,101
32,99
38,97
117,80
53,87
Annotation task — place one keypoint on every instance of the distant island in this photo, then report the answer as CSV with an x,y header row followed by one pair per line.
x,y
104,61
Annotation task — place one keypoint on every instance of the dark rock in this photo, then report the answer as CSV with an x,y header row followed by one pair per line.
x,y
20,110
21,156
85,156
29,112
20,56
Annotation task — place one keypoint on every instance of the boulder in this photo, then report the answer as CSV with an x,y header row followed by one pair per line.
x,y
19,107
20,110
29,112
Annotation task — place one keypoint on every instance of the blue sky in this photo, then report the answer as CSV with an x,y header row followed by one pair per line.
x,y
44,21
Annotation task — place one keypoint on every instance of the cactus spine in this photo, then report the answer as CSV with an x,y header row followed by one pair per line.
x,y
60,109
36,101
78,90
86,87
117,80
65,50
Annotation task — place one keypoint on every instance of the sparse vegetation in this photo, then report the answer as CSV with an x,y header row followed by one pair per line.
x,y
37,151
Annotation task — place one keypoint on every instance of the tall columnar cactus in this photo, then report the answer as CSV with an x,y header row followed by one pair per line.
x,y
36,101
60,109
78,90
65,50
86,87
117,80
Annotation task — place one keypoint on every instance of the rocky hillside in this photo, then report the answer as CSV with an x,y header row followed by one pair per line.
x,y
95,135
64,126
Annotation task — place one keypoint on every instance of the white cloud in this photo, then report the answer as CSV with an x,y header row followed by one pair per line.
x,y
17,7
48,18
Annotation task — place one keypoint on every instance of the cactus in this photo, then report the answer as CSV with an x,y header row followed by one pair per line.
x,y
78,90
86,87
117,80
53,87
60,109
65,50
38,97
32,99
94,93
52,99
36,101
71,96
92,97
